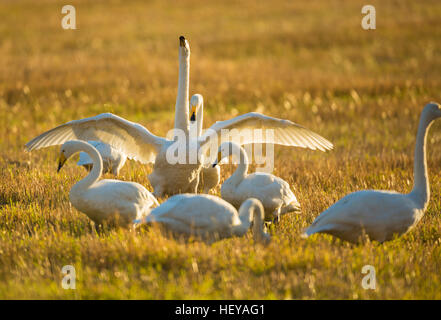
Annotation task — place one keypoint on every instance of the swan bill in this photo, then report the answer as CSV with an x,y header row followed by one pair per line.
x,y
193,114
219,159
61,161
182,41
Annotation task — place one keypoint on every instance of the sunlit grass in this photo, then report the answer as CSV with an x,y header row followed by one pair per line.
x,y
306,61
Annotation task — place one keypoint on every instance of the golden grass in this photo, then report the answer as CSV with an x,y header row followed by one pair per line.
x,y
307,61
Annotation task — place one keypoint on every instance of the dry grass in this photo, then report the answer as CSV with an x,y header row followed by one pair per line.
x,y
307,61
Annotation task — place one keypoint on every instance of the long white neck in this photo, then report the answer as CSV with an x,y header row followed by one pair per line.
x,y
245,219
242,167
251,211
421,189
181,108
200,118
97,168
258,219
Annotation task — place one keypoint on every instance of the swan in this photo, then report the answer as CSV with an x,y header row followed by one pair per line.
x,y
208,217
106,199
182,106
138,143
113,160
274,192
382,215
209,176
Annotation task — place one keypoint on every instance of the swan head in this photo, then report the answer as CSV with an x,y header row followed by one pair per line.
x,y
196,103
225,150
433,109
184,47
67,150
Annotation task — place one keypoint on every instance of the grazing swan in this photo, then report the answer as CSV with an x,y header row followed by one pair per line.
x,y
209,176
113,160
105,199
381,215
274,192
138,143
208,217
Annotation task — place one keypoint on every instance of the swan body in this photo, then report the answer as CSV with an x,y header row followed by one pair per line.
x,y
208,217
274,193
113,160
170,179
209,178
107,199
382,215
138,143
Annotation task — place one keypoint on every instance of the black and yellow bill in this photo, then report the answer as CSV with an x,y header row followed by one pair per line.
x,y
61,161
219,158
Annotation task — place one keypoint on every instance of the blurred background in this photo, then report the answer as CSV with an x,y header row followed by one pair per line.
x,y
299,59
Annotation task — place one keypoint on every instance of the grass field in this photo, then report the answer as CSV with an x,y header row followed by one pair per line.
x,y
307,61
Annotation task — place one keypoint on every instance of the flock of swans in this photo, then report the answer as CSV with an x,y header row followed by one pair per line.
x,y
247,200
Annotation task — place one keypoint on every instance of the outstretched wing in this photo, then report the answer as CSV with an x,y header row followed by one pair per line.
x,y
286,132
131,138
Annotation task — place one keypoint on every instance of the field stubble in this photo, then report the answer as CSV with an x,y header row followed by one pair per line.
x,y
307,61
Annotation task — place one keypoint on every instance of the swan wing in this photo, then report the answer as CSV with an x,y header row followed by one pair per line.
x,y
286,132
128,137
103,148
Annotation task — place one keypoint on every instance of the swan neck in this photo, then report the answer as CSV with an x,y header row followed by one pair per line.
x,y
258,218
182,104
245,219
249,212
421,189
200,119
97,167
242,167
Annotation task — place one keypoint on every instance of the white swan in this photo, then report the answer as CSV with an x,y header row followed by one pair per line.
x,y
181,109
137,143
113,160
208,217
210,176
106,199
381,215
274,192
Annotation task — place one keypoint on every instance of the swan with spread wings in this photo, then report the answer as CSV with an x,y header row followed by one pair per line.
x,y
138,143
